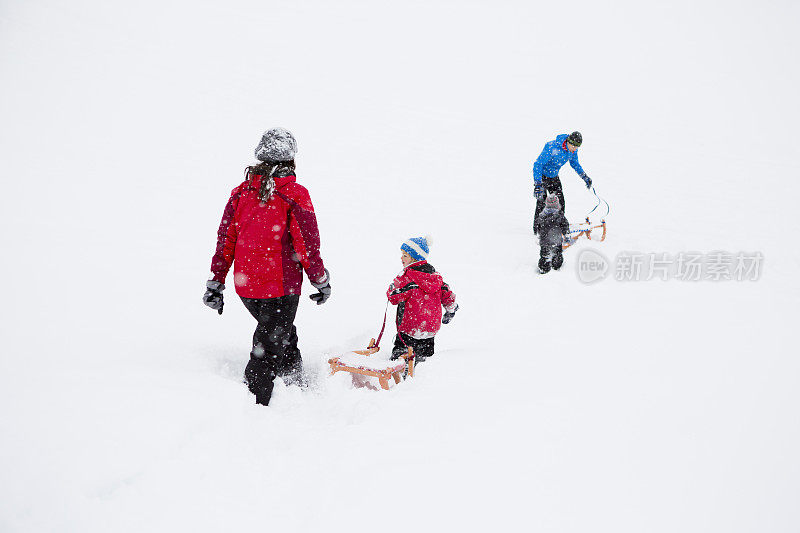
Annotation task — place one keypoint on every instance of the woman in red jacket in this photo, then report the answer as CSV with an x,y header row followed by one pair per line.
x,y
269,234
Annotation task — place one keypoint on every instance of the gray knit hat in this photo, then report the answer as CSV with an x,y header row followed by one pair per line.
x,y
552,201
277,144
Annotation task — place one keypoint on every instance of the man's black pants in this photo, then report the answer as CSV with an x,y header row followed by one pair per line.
x,y
551,186
275,351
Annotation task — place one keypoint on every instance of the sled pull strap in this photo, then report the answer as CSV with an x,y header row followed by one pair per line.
x,y
599,201
385,313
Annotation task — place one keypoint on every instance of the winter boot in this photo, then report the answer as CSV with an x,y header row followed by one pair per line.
x,y
544,261
558,259
259,377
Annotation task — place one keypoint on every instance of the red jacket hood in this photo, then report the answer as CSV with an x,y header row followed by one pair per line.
x,y
429,282
255,181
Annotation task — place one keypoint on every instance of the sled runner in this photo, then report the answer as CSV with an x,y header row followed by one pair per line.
x,y
363,363
366,363
591,231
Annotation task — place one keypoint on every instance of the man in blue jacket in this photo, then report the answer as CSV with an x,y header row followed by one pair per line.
x,y
545,169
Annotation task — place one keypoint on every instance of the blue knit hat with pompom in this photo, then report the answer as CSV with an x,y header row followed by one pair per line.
x,y
418,247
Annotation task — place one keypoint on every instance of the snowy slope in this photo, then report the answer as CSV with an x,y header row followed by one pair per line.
x,y
551,405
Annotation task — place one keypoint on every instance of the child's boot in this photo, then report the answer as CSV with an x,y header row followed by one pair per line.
x,y
558,258
544,260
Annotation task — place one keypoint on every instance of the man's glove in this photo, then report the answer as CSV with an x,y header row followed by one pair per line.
x,y
538,191
213,296
448,315
324,289
587,180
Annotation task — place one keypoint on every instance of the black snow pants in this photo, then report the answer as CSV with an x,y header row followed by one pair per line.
x,y
551,186
550,256
275,351
423,348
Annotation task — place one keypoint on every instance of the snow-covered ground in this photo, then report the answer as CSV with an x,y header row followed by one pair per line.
x,y
551,405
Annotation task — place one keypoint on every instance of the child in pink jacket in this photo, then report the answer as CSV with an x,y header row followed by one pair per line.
x,y
419,292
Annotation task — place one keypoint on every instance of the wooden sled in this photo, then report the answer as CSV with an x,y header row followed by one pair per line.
x,y
381,369
586,229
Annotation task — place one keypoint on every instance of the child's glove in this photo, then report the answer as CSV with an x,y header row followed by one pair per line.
x,y
213,296
587,180
324,289
538,191
448,315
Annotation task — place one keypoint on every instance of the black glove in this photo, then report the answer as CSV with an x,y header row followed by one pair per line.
x,y
538,191
324,289
213,296
587,180
448,316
